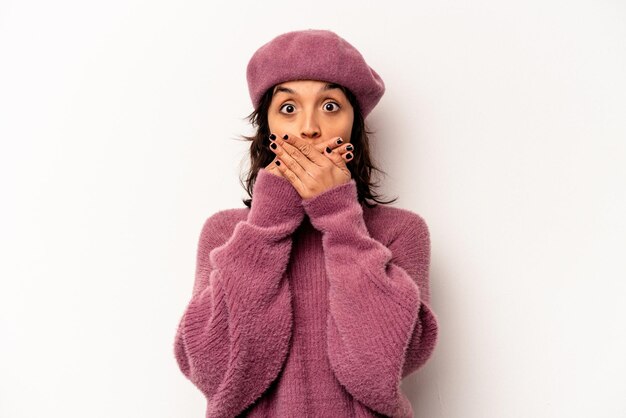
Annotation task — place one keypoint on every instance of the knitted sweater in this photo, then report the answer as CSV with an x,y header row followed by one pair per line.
x,y
308,308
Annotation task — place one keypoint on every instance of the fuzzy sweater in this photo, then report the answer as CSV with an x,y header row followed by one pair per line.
x,y
308,308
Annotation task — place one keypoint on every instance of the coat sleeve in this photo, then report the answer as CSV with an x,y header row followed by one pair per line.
x,y
235,332
375,333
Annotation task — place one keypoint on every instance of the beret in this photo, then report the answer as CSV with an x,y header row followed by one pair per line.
x,y
313,54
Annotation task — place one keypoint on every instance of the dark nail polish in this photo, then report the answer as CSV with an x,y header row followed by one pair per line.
x,y
277,162
273,145
328,150
285,137
339,141
272,137
349,147
349,156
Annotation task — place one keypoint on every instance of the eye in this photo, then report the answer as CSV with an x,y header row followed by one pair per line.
x,y
328,106
285,106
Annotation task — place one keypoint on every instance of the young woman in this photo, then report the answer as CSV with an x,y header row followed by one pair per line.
x,y
309,301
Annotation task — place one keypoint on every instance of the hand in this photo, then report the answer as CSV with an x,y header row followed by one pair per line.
x,y
309,171
333,145
273,168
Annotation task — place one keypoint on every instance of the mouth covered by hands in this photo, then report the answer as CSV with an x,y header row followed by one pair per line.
x,y
310,170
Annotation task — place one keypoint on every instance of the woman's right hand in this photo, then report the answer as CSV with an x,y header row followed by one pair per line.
x,y
332,144
273,168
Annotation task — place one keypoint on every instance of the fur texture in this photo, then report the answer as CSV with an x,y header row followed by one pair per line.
x,y
316,307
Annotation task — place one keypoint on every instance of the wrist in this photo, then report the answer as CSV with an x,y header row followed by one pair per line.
x,y
337,204
275,201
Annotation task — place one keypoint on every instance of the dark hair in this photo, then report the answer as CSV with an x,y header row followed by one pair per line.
x,y
360,166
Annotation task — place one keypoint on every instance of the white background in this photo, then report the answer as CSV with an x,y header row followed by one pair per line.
x,y
503,125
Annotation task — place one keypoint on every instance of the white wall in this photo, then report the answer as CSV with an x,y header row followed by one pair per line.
x,y
502,125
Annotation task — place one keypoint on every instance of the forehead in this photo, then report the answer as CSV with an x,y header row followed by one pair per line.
x,y
306,86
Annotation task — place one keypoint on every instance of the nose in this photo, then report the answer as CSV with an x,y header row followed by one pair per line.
x,y
310,127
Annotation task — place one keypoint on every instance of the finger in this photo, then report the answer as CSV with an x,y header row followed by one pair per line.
x,y
337,158
302,151
273,167
331,143
295,170
346,151
289,175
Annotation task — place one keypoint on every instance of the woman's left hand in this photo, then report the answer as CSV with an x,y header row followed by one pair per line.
x,y
309,171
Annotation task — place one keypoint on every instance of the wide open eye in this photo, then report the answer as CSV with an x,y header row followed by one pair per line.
x,y
287,105
328,106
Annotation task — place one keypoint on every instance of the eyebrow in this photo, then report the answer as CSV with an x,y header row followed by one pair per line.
x,y
326,87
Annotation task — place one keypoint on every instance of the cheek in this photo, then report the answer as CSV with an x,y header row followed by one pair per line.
x,y
276,123
347,126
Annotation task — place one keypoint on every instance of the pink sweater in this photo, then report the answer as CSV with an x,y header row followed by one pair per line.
x,y
308,308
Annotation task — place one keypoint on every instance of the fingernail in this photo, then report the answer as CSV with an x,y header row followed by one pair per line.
x,y
339,141
328,150
277,162
285,137
349,147
272,137
349,156
273,145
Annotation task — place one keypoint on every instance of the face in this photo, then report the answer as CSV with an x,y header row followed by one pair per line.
x,y
312,110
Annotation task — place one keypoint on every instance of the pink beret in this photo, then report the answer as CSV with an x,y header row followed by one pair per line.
x,y
313,54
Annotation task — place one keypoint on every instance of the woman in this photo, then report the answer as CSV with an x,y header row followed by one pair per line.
x,y
309,301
